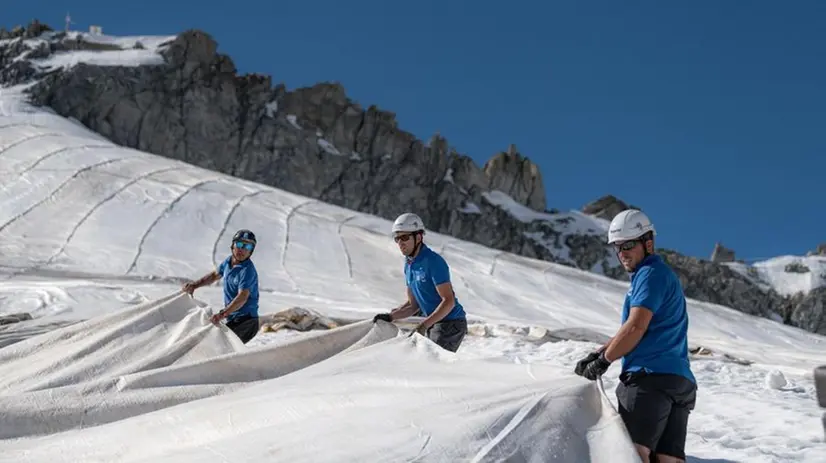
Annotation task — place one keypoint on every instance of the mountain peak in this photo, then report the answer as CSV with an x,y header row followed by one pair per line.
x,y
606,207
517,176
34,29
722,254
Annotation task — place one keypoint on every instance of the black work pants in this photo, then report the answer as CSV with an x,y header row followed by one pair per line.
x,y
245,327
655,409
448,334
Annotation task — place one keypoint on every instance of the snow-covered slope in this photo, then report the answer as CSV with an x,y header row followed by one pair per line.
x,y
89,228
788,275
565,224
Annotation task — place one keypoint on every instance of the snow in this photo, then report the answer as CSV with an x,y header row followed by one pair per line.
x,y
90,231
127,56
328,147
97,58
470,208
775,379
564,225
449,175
149,42
271,108
518,211
571,222
294,121
778,273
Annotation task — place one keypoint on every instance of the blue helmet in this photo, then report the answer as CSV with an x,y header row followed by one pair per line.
x,y
244,235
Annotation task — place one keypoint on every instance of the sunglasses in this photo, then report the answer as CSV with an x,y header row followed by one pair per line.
x,y
404,237
243,245
627,246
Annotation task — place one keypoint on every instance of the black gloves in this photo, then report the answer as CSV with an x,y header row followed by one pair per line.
x,y
592,366
580,366
384,317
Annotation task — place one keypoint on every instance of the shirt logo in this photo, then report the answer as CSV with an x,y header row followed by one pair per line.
x,y
419,276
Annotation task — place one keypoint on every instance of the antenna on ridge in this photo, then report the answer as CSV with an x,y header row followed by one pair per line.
x,y
68,21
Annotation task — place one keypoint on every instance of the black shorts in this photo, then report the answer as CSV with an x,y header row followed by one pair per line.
x,y
244,327
655,409
448,334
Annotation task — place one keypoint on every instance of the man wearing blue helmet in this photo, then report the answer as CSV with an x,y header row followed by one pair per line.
x,y
240,287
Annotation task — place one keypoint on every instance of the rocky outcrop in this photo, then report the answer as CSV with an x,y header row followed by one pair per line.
x,y
193,106
820,251
518,177
808,311
607,207
720,284
707,281
32,30
722,254
796,267
16,56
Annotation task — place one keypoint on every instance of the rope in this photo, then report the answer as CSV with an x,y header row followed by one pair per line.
x,y
601,388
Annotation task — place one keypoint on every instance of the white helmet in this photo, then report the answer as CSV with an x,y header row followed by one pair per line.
x,y
628,225
408,222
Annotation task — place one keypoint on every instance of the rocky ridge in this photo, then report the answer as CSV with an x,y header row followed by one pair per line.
x,y
314,141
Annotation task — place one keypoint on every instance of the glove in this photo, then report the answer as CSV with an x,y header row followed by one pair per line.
x,y
384,317
580,366
596,368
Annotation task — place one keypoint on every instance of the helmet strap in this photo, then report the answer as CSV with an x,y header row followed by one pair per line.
x,y
418,245
645,240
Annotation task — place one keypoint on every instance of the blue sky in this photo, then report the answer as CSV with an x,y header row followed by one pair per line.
x,y
709,115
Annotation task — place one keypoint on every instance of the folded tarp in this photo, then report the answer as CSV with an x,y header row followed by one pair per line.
x,y
159,382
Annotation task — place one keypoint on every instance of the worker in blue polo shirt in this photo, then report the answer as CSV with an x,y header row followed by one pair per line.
x,y
656,390
429,291
240,287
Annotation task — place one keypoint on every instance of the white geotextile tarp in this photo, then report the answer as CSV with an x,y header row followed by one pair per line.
x,y
158,382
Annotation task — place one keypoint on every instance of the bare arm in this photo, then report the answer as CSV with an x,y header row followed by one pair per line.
x,y
208,279
605,346
239,300
408,309
629,334
448,301
205,280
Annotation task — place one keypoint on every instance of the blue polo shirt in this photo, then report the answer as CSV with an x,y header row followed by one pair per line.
x,y
422,274
235,278
664,346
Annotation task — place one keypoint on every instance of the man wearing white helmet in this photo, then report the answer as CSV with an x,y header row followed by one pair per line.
x,y
657,389
429,291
